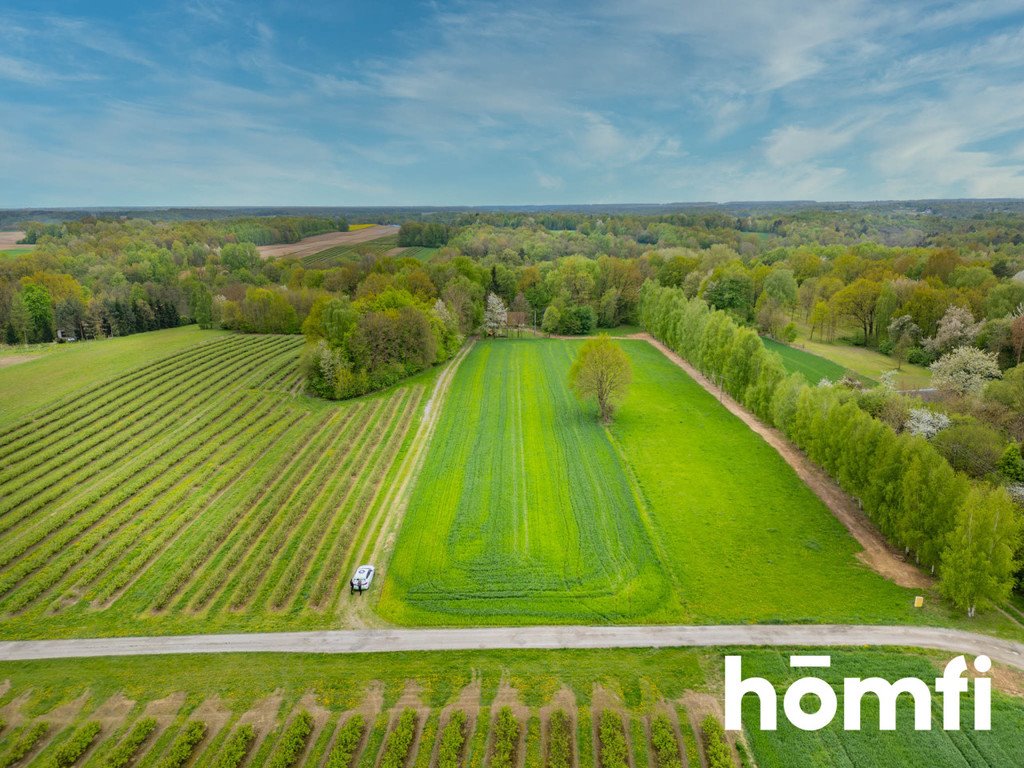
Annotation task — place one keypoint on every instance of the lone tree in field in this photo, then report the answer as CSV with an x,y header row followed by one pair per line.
x,y
601,372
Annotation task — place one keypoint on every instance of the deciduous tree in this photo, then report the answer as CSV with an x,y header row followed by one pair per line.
x,y
601,372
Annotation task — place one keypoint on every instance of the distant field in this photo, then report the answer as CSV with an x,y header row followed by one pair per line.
x,y
57,370
812,367
332,257
317,243
527,511
418,252
195,492
671,688
872,364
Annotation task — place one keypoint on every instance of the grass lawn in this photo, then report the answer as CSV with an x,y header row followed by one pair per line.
x,y
812,367
522,510
528,511
268,690
62,369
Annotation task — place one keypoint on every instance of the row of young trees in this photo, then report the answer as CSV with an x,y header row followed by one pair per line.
x,y
970,534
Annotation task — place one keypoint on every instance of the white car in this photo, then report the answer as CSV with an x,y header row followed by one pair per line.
x,y
363,576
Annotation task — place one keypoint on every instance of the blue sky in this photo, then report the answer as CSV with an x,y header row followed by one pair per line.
x,y
212,102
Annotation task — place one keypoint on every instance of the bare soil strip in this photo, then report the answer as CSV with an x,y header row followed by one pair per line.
x,y
310,245
877,554
9,241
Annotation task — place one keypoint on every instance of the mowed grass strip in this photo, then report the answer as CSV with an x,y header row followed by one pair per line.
x,y
522,510
528,511
188,514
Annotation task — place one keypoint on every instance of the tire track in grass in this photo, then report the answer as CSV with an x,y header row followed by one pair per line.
x,y
396,500
379,471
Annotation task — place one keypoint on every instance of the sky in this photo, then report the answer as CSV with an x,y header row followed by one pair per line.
x,y
215,102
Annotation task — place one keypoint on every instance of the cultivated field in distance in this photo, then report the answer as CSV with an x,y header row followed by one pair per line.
x,y
311,245
194,492
538,709
528,511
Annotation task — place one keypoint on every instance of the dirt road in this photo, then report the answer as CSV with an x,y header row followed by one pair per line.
x,y
317,243
497,638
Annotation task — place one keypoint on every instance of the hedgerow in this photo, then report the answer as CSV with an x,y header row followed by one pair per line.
x,y
426,750
68,752
237,747
183,746
663,740
22,743
559,740
399,742
506,739
715,747
612,738
453,738
130,744
346,742
380,728
533,755
293,741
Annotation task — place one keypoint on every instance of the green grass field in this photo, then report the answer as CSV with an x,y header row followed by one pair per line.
x,y
528,511
57,370
812,367
197,492
871,364
224,693
332,257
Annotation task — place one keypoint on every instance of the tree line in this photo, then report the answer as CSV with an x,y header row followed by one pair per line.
x,y
969,533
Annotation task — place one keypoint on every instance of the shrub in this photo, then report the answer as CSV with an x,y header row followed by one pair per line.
x,y
183,746
559,741
1011,465
130,744
67,754
533,756
22,743
973,448
234,752
453,737
347,742
506,739
293,741
715,747
396,749
663,739
613,741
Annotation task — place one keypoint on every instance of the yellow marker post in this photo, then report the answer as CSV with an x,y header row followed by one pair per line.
x,y
919,601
